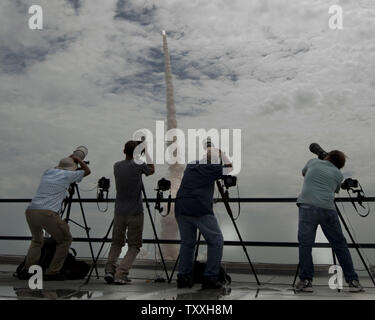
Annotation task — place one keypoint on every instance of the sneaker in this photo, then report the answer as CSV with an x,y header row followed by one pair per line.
x,y
120,282
53,277
211,284
355,286
184,282
123,280
109,277
304,286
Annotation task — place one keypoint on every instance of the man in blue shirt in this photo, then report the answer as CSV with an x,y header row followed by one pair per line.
x,y
322,178
193,210
42,213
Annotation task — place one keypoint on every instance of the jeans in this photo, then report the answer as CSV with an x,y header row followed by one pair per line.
x,y
309,219
208,226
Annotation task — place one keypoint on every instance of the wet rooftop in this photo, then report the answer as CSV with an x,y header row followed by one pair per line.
x,y
274,286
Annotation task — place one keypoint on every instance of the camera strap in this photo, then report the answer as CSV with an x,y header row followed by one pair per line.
x,y
159,197
360,197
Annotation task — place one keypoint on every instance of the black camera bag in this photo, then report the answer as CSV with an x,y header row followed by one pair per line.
x,y
72,269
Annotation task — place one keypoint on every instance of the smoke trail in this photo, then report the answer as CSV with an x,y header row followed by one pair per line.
x,y
169,228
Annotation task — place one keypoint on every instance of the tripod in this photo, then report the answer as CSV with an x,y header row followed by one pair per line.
x,y
155,234
333,253
68,205
229,210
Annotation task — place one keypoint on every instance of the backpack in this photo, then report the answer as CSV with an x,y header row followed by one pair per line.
x,y
198,271
72,269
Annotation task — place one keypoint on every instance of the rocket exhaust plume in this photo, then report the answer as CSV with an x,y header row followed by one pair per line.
x,y
169,229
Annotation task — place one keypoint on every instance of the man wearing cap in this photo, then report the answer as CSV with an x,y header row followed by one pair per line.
x,y
42,213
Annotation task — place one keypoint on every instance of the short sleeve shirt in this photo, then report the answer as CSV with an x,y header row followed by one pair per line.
x,y
52,188
195,195
322,180
128,177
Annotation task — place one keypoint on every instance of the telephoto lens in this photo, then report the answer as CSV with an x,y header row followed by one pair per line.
x,y
318,150
80,152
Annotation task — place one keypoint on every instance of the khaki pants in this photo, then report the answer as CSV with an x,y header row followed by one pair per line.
x,y
57,228
133,227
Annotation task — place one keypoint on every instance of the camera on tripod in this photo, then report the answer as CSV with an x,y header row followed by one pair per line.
x,y
349,184
104,184
163,185
103,187
229,181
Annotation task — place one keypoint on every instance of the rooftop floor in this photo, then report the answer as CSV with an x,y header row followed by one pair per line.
x,y
143,287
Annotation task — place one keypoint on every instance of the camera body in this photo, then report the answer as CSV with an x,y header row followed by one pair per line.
x,y
229,181
104,184
164,184
349,183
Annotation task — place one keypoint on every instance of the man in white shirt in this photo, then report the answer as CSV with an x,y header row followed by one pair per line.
x,y
42,213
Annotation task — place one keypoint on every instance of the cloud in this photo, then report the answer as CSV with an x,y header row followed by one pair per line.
x,y
272,68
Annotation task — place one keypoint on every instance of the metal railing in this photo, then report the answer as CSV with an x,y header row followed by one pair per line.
x,y
227,243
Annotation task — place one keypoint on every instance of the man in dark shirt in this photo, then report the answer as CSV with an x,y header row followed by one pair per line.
x,y
128,217
193,210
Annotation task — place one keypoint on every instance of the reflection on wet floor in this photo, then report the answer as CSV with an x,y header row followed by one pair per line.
x,y
53,294
204,294
144,287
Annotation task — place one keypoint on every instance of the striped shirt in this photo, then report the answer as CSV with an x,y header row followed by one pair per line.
x,y
53,187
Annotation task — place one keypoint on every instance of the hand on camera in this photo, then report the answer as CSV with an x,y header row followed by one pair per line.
x,y
76,159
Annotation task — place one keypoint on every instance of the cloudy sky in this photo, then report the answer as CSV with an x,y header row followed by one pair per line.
x,y
272,68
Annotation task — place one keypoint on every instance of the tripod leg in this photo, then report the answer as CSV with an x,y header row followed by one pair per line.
x,y
197,248
68,207
174,269
100,251
87,232
229,210
295,276
155,233
355,244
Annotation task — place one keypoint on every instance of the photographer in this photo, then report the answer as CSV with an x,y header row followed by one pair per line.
x,y
128,218
322,179
193,210
42,213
